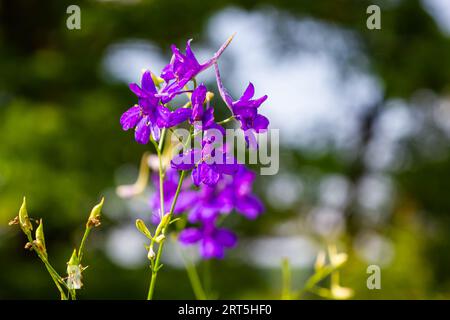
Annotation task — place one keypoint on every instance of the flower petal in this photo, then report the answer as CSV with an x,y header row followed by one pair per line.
x,y
187,160
208,174
211,249
142,133
260,123
130,118
178,116
250,206
190,236
225,237
147,83
248,93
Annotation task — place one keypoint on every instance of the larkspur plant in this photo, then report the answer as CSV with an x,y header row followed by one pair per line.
x,y
219,184
66,286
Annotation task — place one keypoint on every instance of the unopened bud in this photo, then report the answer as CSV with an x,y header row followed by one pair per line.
x,y
165,220
74,278
320,260
74,259
151,254
94,217
140,225
209,96
157,80
40,239
160,238
25,222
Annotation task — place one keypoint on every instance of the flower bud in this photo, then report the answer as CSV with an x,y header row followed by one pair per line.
x,y
151,254
165,220
94,217
160,238
74,278
209,96
140,225
320,261
156,80
40,240
25,222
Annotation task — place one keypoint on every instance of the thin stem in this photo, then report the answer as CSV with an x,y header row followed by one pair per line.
x,y
226,120
207,276
195,281
286,280
53,274
83,243
161,230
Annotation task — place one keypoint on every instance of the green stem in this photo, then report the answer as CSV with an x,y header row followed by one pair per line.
x,y
53,274
161,230
286,280
226,120
83,243
195,281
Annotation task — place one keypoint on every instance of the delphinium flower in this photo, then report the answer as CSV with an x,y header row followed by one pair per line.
x,y
149,115
220,186
245,110
183,68
212,240
208,164
201,118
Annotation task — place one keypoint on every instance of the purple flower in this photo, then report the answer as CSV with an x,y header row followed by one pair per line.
x,y
210,203
213,240
207,164
230,193
202,119
183,68
149,116
185,200
245,109
237,193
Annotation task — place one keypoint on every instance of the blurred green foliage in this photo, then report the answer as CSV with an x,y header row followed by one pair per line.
x,y
61,143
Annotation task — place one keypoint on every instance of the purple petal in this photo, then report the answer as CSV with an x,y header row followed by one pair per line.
x,y
189,54
208,174
226,238
142,133
137,90
156,132
248,93
211,249
178,116
190,236
196,177
187,160
250,206
147,82
260,123
130,118
185,200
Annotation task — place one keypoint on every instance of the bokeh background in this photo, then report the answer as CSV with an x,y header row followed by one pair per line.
x,y
365,133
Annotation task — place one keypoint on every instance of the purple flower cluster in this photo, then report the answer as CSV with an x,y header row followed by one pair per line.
x,y
219,185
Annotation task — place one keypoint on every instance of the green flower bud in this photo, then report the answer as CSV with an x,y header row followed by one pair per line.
x,y
151,254
40,240
74,259
25,222
74,278
165,220
94,217
140,225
